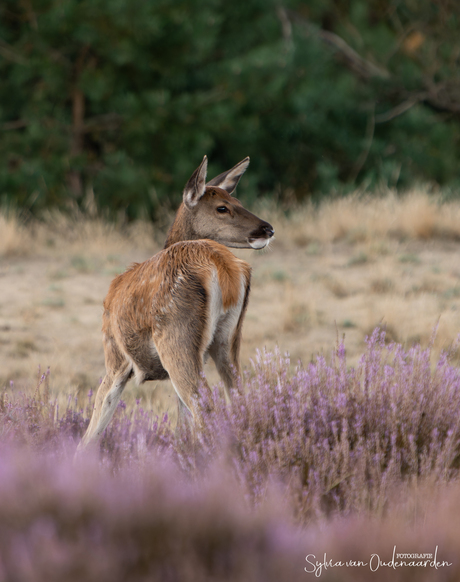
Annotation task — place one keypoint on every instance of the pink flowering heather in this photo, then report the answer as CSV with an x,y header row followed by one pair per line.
x,y
302,461
341,439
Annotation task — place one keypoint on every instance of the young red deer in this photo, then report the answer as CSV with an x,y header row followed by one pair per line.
x,y
164,316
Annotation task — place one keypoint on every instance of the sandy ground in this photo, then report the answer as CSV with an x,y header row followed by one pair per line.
x,y
307,290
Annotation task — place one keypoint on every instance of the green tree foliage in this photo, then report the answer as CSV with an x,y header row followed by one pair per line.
x,y
123,97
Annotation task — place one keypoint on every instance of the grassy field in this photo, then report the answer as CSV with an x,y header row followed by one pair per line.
x,y
340,269
330,469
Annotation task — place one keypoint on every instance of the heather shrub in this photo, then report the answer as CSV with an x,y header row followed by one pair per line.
x,y
319,445
417,541
341,439
77,522
81,522
335,439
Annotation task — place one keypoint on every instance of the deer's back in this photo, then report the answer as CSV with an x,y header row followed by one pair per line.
x,y
175,283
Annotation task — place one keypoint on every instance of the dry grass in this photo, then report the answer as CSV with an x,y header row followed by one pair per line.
x,y
15,240
341,268
416,215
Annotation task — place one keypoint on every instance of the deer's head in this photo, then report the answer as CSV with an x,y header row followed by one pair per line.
x,y
209,211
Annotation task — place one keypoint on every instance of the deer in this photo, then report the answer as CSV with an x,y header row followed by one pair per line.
x,y
162,318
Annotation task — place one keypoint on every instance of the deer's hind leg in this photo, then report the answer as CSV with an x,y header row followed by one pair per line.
x,y
181,336
182,356
185,369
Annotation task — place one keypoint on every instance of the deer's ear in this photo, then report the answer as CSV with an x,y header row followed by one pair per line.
x,y
196,186
229,180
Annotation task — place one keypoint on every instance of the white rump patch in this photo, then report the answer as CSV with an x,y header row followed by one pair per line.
x,y
222,323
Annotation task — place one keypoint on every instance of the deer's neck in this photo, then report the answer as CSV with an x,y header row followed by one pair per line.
x,y
181,229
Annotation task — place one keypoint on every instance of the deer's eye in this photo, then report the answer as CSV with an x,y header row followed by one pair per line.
x,y
222,209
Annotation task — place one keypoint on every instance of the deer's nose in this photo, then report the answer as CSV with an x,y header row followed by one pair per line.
x,y
264,230
268,230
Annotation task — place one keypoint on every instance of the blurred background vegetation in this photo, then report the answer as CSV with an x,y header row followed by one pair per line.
x,y
120,99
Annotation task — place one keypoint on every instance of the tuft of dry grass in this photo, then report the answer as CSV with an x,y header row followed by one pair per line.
x,y
15,239
76,233
362,218
94,236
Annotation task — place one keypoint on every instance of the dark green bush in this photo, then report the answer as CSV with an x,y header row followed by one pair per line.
x,y
124,97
